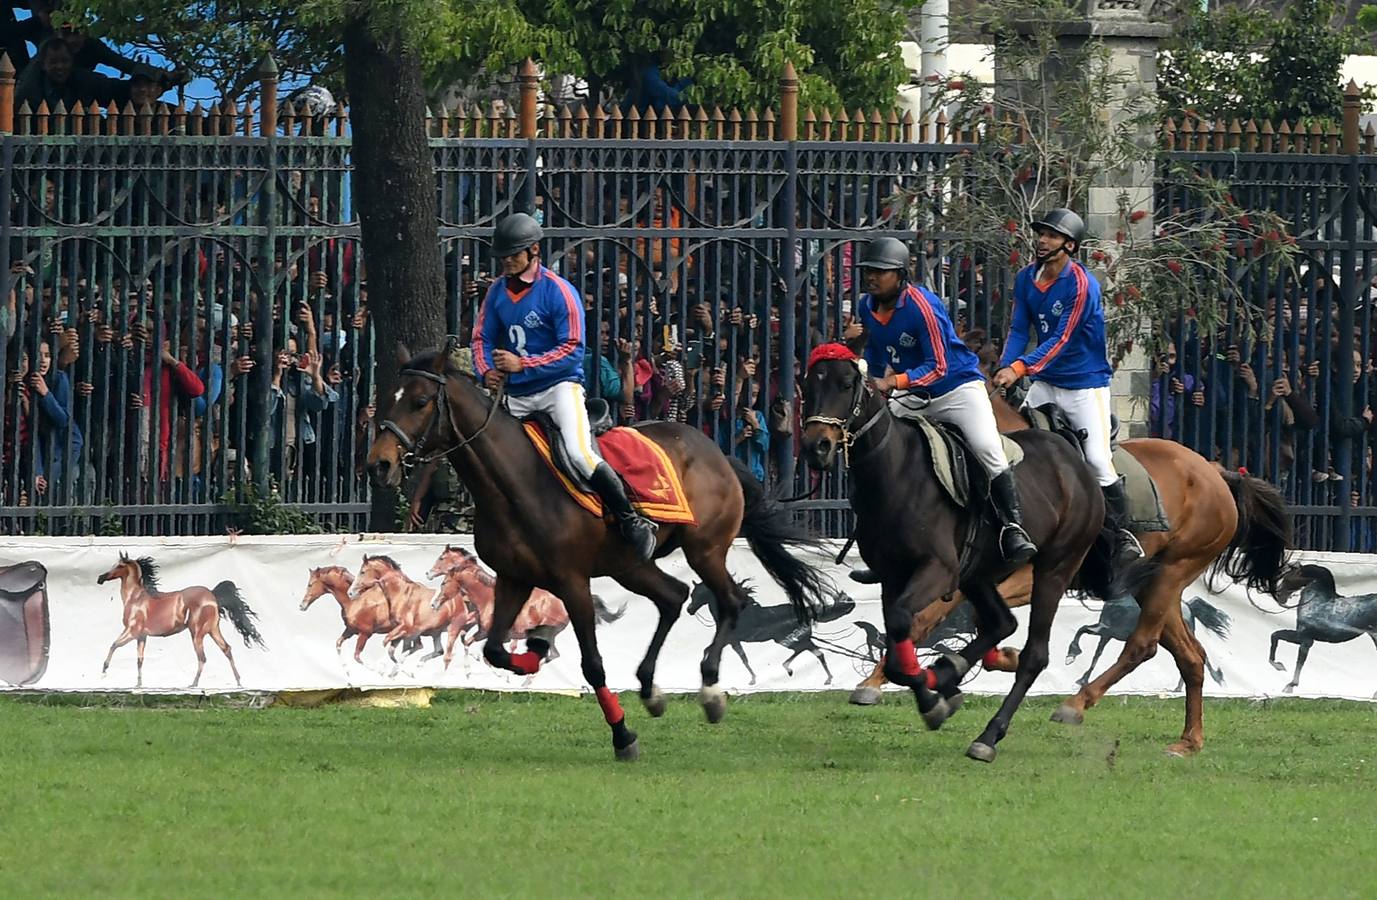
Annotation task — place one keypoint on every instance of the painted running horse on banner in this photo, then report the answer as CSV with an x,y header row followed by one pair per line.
x,y
198,610
534,533
1220,521
923,545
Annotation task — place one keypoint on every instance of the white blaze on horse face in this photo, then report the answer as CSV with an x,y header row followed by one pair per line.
x,y
397,397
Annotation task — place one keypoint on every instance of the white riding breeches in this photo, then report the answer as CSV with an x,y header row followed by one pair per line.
x,y
1088,409
968,408
565,404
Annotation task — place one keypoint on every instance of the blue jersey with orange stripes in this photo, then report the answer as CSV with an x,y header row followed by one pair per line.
x,y
916,339
1068,318
543,324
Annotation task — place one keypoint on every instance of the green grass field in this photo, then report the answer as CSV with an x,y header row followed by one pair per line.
x,y
518,795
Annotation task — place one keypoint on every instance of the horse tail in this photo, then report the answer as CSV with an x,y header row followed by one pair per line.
x,y
1260,553
233,607
768,527
605,613
1211,616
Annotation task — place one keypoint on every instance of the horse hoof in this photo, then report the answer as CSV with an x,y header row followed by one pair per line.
x,y
1070,659
981,752
1181,750
954,703
1067,714
630,753
655,703
865,695
1290,688
1278,666
714,701
940,712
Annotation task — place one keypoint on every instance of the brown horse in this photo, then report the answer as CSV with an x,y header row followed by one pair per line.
x,y
150,612
533,534
364,615
1236,523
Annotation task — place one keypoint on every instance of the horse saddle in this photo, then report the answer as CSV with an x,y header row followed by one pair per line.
x,y
599,420
950,454
1145,510
24,626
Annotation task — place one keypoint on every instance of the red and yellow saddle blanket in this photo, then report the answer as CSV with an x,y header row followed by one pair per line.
x,y
653,484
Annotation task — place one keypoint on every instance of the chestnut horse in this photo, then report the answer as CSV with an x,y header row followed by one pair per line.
x,y
533,534
198,610
1237,524
364,615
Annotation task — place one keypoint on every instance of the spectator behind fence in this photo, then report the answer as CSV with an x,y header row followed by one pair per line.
x,y
53,78
59,438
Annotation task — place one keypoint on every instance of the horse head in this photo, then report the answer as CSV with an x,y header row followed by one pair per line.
x,y
431,405
840,607
701,596
1303,577
325,580
836,402
452,586
372,573
450,558
119,570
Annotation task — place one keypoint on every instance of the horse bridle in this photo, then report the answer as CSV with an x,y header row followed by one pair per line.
x,y
849,437
411,445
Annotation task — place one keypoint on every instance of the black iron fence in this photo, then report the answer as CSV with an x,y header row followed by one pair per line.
x,y
188,307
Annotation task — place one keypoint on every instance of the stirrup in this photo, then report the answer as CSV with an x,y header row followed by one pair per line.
x,y
1028,551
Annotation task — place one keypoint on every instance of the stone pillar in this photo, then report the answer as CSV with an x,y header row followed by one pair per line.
x,y
1126,29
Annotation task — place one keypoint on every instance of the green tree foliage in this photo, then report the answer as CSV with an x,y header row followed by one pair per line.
x,y
1231,63
1044,140
733,51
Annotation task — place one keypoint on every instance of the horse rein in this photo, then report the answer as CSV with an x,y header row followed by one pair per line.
x,y
410,458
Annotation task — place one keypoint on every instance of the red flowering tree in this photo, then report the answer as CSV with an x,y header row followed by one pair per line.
x,y
1062,120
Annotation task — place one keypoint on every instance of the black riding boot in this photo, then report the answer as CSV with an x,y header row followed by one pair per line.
x,y
1014,542
638,531
1126,546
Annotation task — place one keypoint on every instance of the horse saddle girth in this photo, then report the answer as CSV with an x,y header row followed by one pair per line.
x,y
24,625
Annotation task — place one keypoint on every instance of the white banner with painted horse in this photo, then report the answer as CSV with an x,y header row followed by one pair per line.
x,y
299,613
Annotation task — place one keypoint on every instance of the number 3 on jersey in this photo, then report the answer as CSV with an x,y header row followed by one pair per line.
x,y
516,335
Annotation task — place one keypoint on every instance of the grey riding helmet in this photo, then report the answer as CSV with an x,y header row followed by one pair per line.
x,y
515,233
1065,223
885,253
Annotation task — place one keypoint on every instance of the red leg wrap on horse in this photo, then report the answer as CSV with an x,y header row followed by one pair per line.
x,y
931,679
526,663
991,657
611,706
907,657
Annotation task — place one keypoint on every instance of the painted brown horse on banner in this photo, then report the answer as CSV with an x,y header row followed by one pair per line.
x,y
198,610
364,615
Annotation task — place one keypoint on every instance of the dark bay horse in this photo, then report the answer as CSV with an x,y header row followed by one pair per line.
x,y
1220,521
923,546
533,534
1321,615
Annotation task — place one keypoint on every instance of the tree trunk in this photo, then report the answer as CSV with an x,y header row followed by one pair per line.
x,y
394,190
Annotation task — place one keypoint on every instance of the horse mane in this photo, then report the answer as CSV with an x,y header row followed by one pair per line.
x,y
148,571
482,575
1322,576
335,570
386,559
